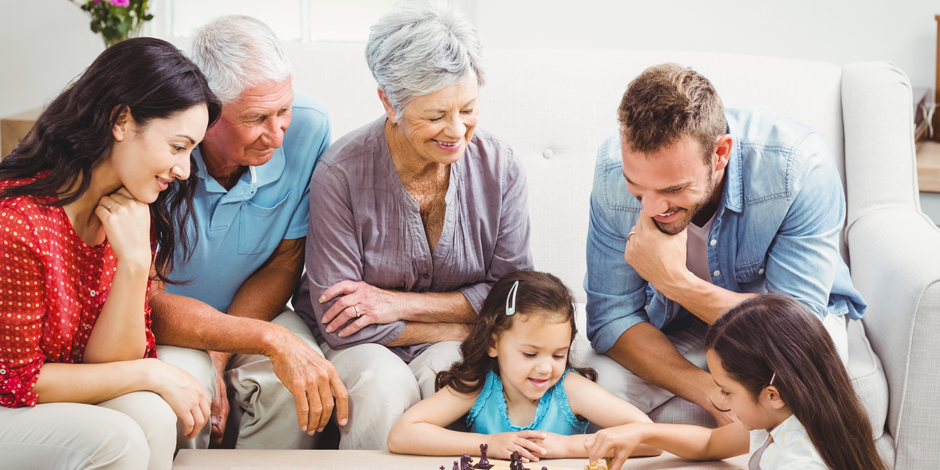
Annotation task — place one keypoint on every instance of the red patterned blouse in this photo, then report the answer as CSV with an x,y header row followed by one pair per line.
x,y
52,288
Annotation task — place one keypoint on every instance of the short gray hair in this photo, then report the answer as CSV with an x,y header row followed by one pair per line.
x,y
237,52
422,46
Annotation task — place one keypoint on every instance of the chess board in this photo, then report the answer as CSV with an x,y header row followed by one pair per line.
x,y
218,459
504,465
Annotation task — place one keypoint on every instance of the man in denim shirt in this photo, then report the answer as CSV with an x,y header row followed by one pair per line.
x,y
694,209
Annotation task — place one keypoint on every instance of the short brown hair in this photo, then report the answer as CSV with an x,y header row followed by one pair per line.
x,y
666,103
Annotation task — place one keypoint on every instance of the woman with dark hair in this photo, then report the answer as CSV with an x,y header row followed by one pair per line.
x,y
97,185
780,374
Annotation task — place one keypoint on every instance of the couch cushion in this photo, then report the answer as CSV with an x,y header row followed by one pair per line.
x,y
868,377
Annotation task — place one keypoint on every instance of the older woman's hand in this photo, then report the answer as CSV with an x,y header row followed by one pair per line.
x,y
361,302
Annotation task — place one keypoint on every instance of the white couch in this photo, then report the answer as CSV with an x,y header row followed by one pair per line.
x,y
555,107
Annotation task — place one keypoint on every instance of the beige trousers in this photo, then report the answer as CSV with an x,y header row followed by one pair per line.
x,y
263,411
690,343
133,431
381,387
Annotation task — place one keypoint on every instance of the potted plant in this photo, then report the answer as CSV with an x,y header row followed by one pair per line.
x,y
116,20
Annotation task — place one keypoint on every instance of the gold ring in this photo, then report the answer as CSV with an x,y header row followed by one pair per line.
x,y
630,235
356,308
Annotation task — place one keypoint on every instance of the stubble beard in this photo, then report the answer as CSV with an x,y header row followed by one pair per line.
x,y
674,228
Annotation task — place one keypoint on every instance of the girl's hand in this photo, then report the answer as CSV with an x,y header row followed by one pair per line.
x,y
361,302
126,222
618,441
183,393
555,445
502,445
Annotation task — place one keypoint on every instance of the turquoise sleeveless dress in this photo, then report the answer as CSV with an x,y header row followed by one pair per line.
x,y
490,416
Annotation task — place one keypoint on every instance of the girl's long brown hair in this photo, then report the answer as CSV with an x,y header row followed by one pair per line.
x,y
773,334
539,294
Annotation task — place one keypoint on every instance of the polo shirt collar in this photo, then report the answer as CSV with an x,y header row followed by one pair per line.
x,y
249,181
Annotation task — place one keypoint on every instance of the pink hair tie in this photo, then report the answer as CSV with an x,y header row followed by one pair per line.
x,y
772,379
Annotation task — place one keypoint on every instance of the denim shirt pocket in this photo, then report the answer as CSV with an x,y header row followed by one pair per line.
x,y
259,229
750,277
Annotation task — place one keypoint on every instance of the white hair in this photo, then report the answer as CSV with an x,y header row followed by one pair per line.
x,y
237,52
420,47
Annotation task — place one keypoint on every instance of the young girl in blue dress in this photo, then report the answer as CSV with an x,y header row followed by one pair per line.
x,y
515,383
779,373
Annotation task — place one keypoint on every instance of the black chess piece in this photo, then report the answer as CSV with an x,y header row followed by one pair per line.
x,y
465,462
544,468
484,463
456,465
515,462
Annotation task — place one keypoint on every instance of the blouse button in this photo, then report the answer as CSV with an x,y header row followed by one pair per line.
x,y
93,293
760,271
3,371
87,326
716,273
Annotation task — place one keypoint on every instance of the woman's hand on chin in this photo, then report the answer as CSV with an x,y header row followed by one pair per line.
x,y
361,303
126,222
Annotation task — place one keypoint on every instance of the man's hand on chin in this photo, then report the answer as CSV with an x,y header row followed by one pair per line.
x,y
657,257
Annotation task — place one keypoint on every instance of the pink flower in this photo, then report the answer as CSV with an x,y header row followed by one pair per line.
x,y
120,3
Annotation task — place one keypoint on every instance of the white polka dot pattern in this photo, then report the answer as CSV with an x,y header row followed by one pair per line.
x,y
52,288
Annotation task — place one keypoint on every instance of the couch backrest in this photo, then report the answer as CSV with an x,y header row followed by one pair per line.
x,y
555,107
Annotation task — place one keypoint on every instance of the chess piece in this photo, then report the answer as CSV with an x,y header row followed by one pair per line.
x,y
465,462
456,466
515,462
484,463
544,468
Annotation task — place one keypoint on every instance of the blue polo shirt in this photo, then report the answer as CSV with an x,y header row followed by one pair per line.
x,y
241,227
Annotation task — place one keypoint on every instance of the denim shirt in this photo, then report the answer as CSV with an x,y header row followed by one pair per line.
x,y
777,230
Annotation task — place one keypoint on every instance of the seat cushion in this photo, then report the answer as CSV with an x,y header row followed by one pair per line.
x,y
868,377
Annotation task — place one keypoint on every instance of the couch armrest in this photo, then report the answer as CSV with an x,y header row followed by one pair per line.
x,y
895,253
896,266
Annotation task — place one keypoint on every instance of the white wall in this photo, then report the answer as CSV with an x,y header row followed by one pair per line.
x,y
45,43
837,31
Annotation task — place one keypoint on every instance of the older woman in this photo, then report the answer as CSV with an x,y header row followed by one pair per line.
x,y
412,218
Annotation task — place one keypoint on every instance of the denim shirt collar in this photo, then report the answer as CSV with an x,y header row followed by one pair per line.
x,y
733,193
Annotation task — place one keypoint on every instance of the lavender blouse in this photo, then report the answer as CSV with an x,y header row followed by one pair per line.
x,y
365,226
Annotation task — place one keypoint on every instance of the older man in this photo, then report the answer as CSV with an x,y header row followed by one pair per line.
x,y
694,209
254,169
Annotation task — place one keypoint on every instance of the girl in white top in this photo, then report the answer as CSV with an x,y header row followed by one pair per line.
x,y
779,373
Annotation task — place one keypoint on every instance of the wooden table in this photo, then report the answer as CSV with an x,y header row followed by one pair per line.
x,y
379,460
928,166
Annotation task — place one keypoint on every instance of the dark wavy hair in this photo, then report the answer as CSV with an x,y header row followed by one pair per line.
x,y
773,334
153,80
540,294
